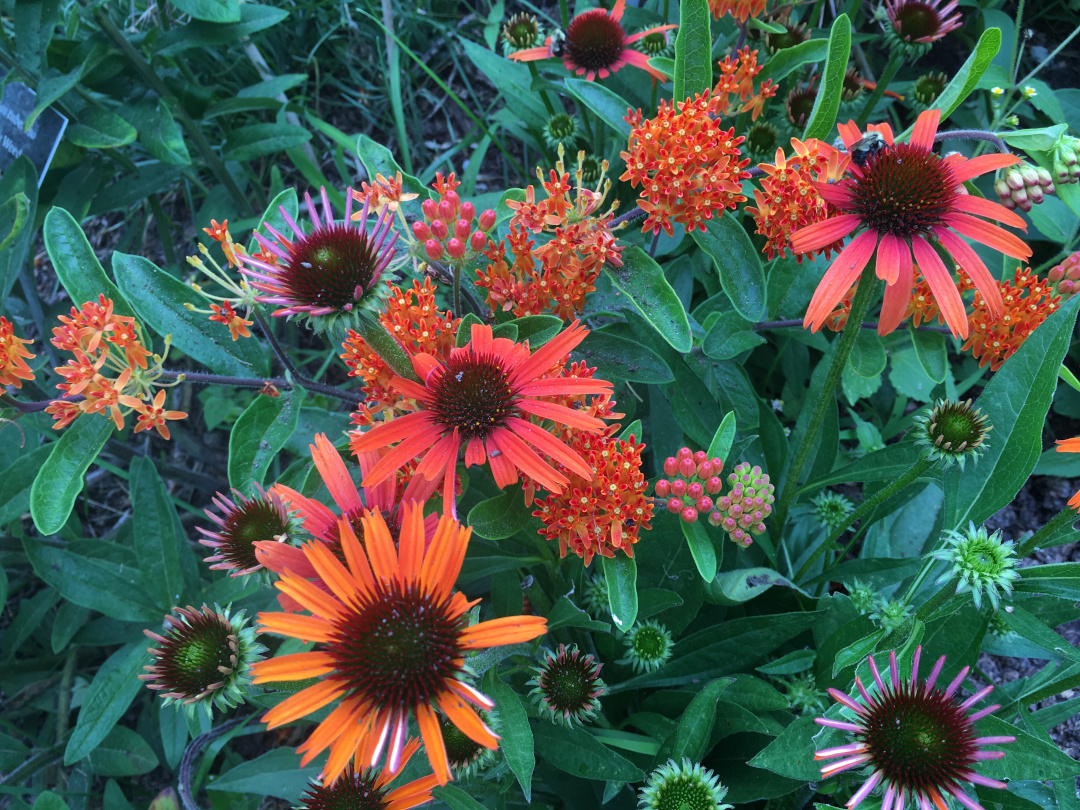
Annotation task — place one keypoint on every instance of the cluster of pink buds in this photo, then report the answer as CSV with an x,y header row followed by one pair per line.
x,y
448,232
693,478
1065,159
1023,185
743,510
1065,277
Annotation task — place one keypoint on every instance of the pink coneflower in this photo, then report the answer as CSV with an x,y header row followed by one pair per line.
x,y
596,44
922,21
902,197
244,522
326,273
918,741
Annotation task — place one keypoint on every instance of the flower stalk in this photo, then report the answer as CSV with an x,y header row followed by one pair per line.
x,y
896,58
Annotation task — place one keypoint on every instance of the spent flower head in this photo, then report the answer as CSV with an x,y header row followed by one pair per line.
x,y
567,686
980,562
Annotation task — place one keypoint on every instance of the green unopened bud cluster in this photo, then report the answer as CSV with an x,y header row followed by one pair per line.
x,y
1065,159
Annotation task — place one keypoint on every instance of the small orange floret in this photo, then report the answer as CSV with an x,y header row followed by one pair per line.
x,y
238,327
13,356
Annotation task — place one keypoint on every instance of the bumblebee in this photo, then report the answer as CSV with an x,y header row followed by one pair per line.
x,y
558,42
866,147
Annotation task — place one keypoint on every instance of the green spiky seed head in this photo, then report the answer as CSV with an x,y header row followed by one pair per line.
x,y
952,432
891,615
852,87
793,35
562,129
762,139
682,786
831,509
203,659
595,596
928,88
863,596
567,686
981,562
520,32
803,695
466,756
658,43
648,646
591,167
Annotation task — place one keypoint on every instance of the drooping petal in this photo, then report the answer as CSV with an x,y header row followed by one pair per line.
x,y
433,742
303,703
335,475
942,286
844,271
467,721
970,204
973,167
971,264
821,234
990,235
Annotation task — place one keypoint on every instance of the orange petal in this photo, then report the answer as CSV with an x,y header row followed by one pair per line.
x,y
433,742
529,462
306,628
941,285
304,703
467,720
311,597
844,271
411,542
334,574
380,547
444,556
295,667
1069,445
356,558
505,630
336,723
922,136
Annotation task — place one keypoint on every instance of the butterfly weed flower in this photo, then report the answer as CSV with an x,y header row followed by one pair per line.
x,y
450,231
13,356
390,638
242,523
648,646
466,756
1028,301
980,562
595,44
741,10
918,741
683,786
203,659
327,273
567,686
900,198
369,789
952,432
238,293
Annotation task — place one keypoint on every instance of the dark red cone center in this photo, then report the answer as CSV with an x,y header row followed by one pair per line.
x,y
331,267
594,40
251,522
353,791
904,191
473,394
917,20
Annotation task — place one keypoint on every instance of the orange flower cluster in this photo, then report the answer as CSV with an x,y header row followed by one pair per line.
x,y
383,193
741,10
687,166
559,274
101,340
789,199
607,510
1029,300
413,318
224,312
13,356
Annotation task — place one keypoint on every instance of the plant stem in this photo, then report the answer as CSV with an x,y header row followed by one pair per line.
x,y
895,60
632,215
457,288
544,97
934,602
1063,518
974,135
564,13
865,508
861,302
1054,53
1013,61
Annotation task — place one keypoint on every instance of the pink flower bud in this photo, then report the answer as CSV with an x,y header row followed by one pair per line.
x,y
433,249
1014,178
478,241
467,212
487,220
671,465
430,209
717,464
453,200
700,457
687,468
456,248
730,525
421,231
715,519
447,212
704,503
714,485
689,515
675,505
1001,188
684,452
1056,274
462,229
663,488
704,470
695,491
724,503
439,229
678,487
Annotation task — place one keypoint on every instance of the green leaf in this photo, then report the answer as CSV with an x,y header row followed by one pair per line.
x,y
696,723
1039,140
160,134
827,103
1054,579
932,353
967,77
47,800
620,572
537,329
792,753
579,753
275,773
216,11
159,298
386,346
856,651
617,358
100,129
455,798
736,587
566,614
511,79
790,664
1016,402
123,753
500,517
788,60
157,543
50,87
729,336
100,585
1029,758
60,479
16,481
288,200
259,140
607,105
377,159
107,698
867,356
517,737
720,445
693,49
886,464
701,548
259,434
76,265
642,281
738,264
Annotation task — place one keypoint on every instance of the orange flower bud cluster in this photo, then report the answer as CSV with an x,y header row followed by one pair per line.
x,y
687,165
450,231
789,199
1029,300
1065,277
605,512
13,356
557,275
108,373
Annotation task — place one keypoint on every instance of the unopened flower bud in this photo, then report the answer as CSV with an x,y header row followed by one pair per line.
x,y
447,211
700,457
689,515
456,248
439,229
687,468
478,241
1001,188
678,487
487,220
433,249
675,505
704,470
421,231
462,229
671,465
452,199
663,488
430,209
704,503
695,491
714,485
684,452
467,212
715,519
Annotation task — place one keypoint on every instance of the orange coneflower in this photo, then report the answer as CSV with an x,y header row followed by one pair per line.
x,y
481,397
903,195
391,637
596,44
368,789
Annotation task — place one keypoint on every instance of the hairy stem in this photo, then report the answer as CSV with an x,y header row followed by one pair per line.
x,y
973,135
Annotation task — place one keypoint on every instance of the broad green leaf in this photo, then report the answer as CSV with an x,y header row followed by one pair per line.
x,y
720,445
788,60
729,336
693,49
790,664
76,265
19,190
856,651
606,104
274,86
16,481
157,544
122,753
932,353
455,798
50,87
47,800
579,753
827,103
107,698
620,572
1055,579
12,752
174,733
114,798
1015,401
259,140
867,356
642,281
511,79
500,517
736,587
387,347
886,464
102,585
617,358
60,479
275,773
160,134
537,329
1029,758
159,298
288,200
215,11
566,614
199,34
517,737
738,264
792,753
1027,626
1039,140
100,129
696,723
665,64
259,434
701,548
377,159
